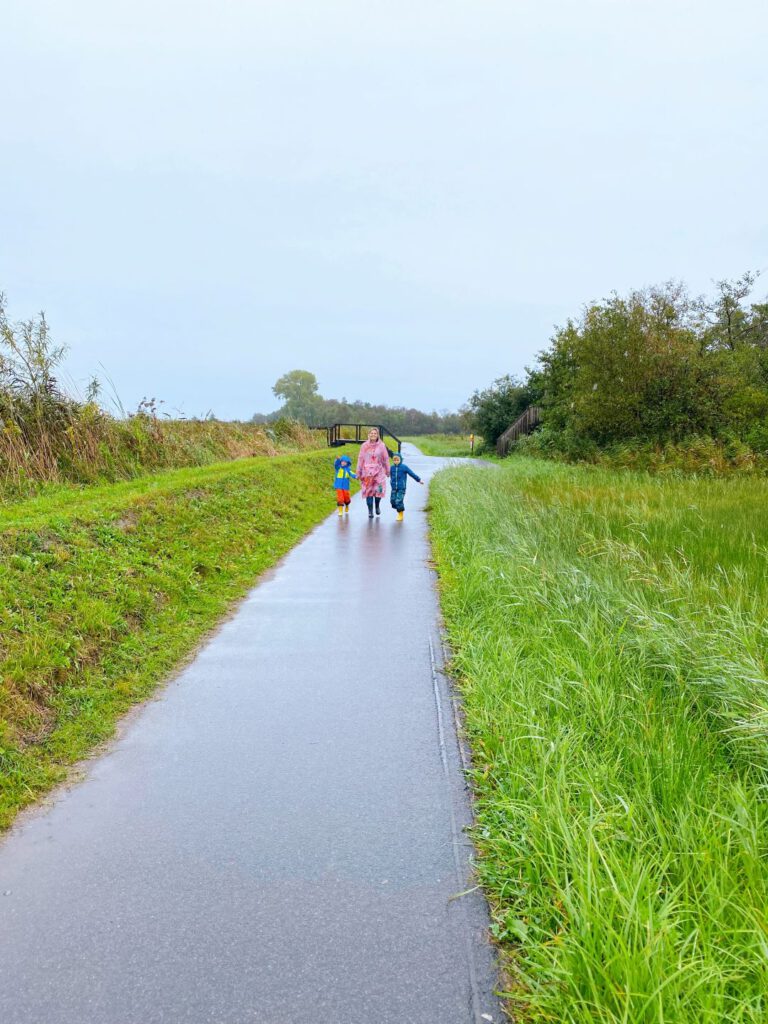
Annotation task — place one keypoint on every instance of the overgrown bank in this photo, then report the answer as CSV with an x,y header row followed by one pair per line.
x,y
609,633
48,435
103,590
86,445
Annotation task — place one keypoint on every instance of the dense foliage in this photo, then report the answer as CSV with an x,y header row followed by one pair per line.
x,y
301,401
494,408
656,367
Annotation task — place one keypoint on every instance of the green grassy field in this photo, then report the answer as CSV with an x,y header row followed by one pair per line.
x,y
445,445
103,590
610,640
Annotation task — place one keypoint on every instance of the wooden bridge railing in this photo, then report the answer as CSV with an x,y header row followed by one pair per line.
x,y
356,433
525,424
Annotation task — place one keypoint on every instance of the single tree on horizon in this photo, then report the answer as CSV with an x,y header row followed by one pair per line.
x,y
299,391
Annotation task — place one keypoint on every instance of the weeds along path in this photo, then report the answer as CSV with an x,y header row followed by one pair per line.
x,y
609,635
278,837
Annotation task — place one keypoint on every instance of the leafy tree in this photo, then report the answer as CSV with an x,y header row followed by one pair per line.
x,y
298,389
757,332
658,365
496,407
729,322
631,368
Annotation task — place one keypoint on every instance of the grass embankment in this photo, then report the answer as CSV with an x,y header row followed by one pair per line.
x,y
83,444
103,590
610,639
445,445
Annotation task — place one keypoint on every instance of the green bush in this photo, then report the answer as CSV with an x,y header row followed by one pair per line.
x,y
656,378
494,408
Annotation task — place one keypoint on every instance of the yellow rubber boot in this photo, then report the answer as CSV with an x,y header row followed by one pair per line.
x,y
399,517
341,510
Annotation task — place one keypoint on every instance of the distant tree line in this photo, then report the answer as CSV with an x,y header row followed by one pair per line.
x,y
301,400
657,366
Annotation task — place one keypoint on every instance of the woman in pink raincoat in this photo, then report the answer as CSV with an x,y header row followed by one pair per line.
x,y
373,470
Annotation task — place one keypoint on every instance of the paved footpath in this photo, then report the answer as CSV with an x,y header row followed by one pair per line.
x,y
276,838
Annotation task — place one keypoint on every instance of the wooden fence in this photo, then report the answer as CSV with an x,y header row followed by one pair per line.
x,y
523,425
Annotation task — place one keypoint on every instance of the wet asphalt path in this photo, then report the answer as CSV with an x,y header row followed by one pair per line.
x,y
277,837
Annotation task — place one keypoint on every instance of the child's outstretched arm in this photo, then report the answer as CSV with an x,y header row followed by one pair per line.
x,y
410,473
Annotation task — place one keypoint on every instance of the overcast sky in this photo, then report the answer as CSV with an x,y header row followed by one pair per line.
x,y
402,197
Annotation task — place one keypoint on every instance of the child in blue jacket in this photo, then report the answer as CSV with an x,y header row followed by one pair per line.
x,y
343,467
398,479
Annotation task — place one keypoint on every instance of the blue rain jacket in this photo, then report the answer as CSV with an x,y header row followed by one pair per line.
x,y
398,477
343,467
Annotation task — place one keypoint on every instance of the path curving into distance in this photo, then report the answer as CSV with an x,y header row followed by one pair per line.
x,y
277,837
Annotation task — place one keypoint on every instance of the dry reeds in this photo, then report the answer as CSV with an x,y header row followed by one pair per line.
x,y
48,436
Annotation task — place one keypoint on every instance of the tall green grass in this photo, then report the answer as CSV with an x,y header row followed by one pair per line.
x,y
704,456
609,634
446,445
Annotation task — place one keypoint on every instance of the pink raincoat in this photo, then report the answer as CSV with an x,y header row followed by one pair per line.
x,y
373,469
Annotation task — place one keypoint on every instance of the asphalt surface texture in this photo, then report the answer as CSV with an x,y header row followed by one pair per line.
x,y
278,836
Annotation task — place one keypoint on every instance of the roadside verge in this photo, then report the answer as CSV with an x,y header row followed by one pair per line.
x,y
104,591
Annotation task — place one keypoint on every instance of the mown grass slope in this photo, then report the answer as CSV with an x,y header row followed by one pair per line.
x,y
609,634
104,589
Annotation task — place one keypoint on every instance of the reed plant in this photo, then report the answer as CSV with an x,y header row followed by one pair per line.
x,y
48,435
